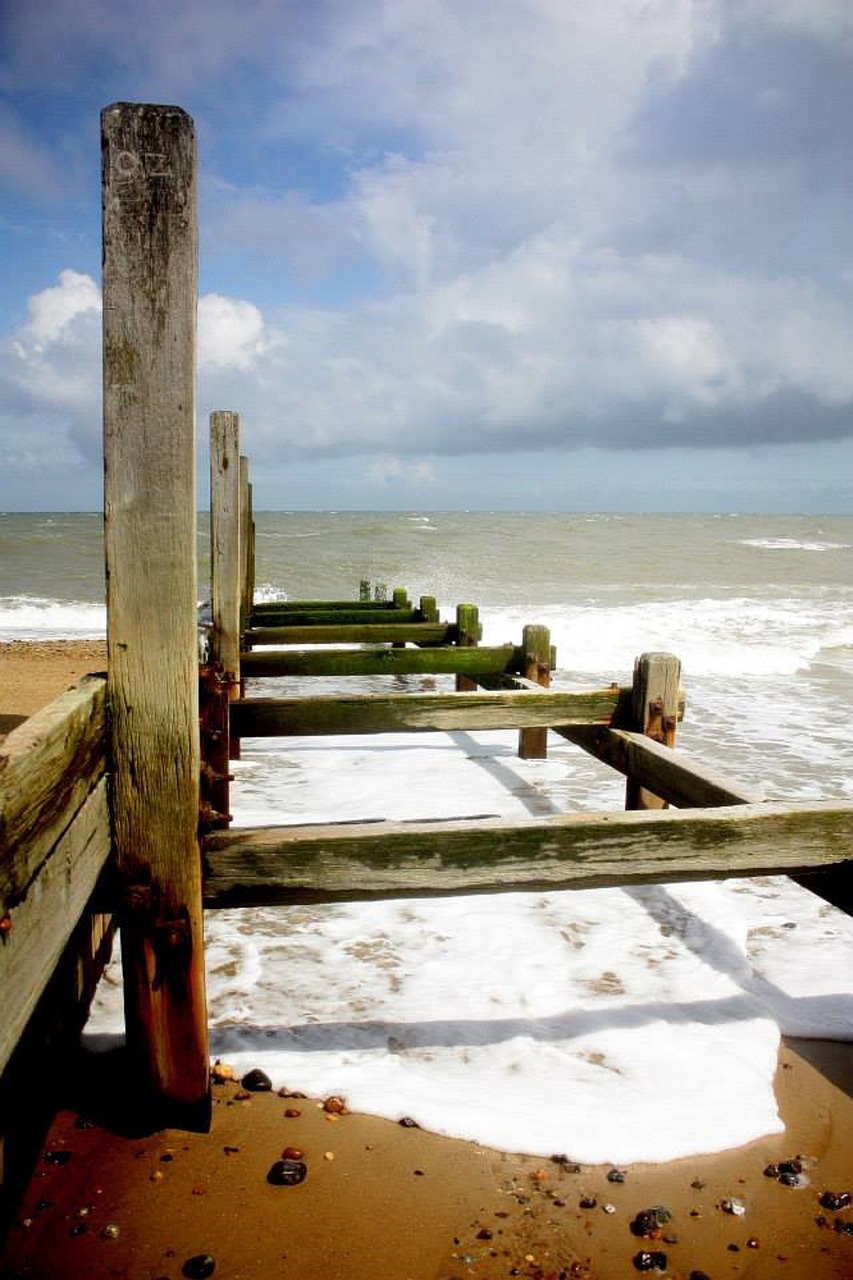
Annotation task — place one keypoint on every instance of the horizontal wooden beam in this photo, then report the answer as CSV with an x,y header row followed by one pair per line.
x,y
354,633
270,608
48,765
661,769
378,615
351,862
42,921
381,661
334,714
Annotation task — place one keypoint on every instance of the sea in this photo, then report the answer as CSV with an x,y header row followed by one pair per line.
x,y
612,1025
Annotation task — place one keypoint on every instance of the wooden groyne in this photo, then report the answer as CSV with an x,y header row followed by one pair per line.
x,y
114,801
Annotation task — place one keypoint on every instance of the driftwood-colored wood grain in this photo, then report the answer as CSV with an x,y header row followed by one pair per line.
x,y
47,768
581,851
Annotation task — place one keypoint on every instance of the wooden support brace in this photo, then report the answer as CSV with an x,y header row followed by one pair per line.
x,y
468,631
536,666
655,714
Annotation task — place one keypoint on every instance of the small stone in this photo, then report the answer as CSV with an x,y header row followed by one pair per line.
x,y
328,1155
753,1243
293,1113
111,1231
734,1206
408,1123
484,1234
771,1171
256,1081
287,1173
698,1184
835,1200
221,1073
292,1153
608,1208
199,1189
333,1105
157,1176
588,1202
650,1260
648,1222
199,1267
617,1175
242,1095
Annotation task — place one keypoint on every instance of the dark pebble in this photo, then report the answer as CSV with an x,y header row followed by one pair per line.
x,y
408,1123
698,1275
199,1267
617,1175
588,1202
256,1081
650,1260
771,1171
287,1173
649,1221
835,1200
790,1179
843,1228
57,1157
484,1234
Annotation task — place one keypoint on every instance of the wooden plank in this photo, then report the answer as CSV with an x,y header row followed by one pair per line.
x,y
355,633
265,609
45,916
655,714
664,770
48,765
380,661
226,562
319,617
571,851
417,712
150,293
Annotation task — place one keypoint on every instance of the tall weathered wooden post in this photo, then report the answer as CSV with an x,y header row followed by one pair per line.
x,y
150,288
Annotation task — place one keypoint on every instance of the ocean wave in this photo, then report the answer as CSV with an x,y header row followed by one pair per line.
x,y
793,544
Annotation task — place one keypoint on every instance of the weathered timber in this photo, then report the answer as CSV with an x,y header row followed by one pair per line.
x,y
574,851
536,666
418,712
381,661
226,564
47,913
468,633
149,319
663,770
48,765
247,545
655,714
316,616
354,633
265,609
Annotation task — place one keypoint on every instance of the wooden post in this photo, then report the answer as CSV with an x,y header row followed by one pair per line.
x,y
536,666
225,542
655,712
226,553
468,637
428,609
150,287
246,553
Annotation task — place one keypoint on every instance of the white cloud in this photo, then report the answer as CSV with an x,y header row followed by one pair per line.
x,y
232,334
53,310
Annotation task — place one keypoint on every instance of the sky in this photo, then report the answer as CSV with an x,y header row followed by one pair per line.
x,y
487,254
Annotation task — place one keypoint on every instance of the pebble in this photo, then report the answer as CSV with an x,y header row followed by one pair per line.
x,y
111,1231
650,1260
334,1106
199,1267
293,1113
734,1206
835,1200
617,1175
648,1222
287,1173
408,1123
256,1081
292,1153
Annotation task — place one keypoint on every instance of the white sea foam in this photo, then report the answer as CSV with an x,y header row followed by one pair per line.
x,y
32,618
531,1022
794,544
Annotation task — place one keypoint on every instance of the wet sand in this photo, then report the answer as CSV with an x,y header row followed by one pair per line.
x,y
380,1199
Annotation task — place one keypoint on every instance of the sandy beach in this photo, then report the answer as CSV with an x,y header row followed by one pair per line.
x,y
371,1198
